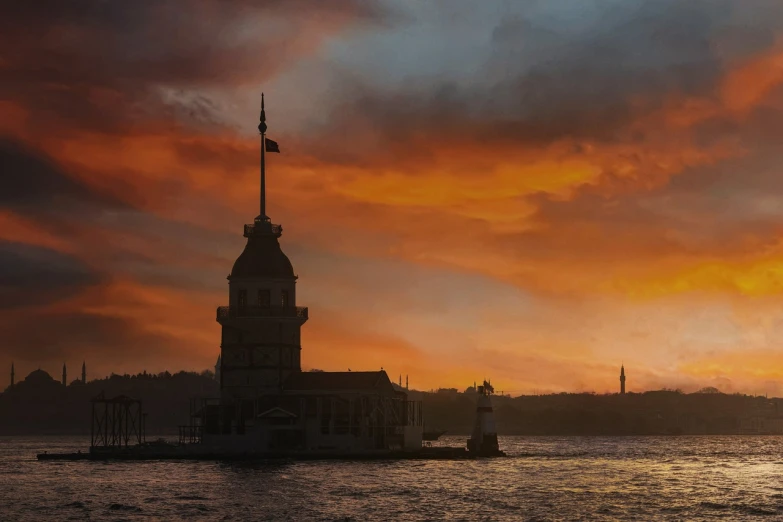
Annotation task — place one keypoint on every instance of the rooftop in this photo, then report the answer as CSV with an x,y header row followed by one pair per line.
x,y
336,381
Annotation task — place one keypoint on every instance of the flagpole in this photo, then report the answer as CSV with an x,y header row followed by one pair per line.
x,y
263,175
262,129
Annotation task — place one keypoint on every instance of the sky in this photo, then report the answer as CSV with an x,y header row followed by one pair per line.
x,y
532,191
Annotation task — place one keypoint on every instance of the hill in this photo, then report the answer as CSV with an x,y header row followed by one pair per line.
x,y
41,405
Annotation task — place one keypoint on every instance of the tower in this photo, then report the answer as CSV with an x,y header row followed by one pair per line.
x,y
622,380
65,376
260,344
484,438
84,372
13,374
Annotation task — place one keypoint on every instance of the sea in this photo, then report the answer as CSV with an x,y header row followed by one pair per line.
x,y
543,478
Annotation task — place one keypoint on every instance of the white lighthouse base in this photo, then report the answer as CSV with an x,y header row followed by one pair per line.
x,y
483,441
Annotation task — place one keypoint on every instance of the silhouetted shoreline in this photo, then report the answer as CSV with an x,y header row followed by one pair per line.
x,y
40,405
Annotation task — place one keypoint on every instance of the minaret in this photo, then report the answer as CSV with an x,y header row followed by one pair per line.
x,y
622,380
13,375
261,325
84,372
65,378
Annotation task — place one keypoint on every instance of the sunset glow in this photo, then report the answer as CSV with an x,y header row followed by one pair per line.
x,y
536,206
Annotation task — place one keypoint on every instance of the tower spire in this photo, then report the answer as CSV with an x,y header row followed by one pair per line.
x,y
84,372
262,132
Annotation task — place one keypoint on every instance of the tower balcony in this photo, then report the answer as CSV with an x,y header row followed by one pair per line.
x,y
231,312
263,227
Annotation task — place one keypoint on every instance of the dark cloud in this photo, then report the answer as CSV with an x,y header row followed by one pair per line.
x,y
32,275
550,79
47,336
97,64
35,184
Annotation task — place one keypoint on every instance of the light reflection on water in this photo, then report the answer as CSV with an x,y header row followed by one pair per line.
x,y
544,478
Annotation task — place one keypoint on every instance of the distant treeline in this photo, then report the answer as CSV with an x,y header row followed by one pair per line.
x,y
650,413
41,405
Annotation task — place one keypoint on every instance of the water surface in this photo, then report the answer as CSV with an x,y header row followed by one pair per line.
x,y
545,478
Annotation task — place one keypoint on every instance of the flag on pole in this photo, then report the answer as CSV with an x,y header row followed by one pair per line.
x,y
272,146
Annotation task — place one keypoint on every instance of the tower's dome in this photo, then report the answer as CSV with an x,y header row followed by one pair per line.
x,y
262,257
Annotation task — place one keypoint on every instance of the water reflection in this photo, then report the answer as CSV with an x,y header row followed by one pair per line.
x,y
545,478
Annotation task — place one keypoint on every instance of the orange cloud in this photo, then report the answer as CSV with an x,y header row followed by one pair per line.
x,y
748,85
568,203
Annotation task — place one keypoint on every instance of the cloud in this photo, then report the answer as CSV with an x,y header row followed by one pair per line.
x,y
35,276
35,185
101,65
534,185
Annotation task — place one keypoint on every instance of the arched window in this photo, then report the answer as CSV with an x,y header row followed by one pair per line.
x,y
264,297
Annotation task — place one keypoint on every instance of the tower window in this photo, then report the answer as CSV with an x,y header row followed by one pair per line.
x,y
264,298
242,298
284,298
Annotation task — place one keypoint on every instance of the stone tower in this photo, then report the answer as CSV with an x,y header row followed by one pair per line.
x,y
65,376
84,372
260,342
622,380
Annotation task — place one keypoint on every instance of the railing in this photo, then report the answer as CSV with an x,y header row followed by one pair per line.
x,y
191,434
262,228
225,312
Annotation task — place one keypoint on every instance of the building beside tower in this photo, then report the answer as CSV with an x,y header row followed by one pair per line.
x,y
266,402
622,380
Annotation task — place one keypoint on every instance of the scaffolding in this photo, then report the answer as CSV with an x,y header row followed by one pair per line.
x,y
116,423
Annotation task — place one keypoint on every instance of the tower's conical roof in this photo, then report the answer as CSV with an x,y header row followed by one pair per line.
x,y
263,257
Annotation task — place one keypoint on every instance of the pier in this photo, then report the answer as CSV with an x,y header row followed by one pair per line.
x,y
187,452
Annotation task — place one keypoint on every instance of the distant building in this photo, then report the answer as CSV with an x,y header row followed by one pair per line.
x,y
622,380
40,379
450,392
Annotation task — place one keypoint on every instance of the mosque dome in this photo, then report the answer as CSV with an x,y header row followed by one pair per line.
x,y
39,376
263,257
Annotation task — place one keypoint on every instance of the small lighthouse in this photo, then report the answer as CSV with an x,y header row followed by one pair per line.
x,y
484,440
